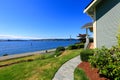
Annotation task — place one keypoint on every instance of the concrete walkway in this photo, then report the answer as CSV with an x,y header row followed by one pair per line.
x,y
66,72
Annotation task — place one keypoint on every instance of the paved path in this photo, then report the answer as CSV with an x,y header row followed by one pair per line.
x,y
66,72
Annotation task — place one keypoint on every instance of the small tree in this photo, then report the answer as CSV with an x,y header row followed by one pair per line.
x,y
82,38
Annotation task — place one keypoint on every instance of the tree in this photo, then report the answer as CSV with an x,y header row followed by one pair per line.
x,y
82,38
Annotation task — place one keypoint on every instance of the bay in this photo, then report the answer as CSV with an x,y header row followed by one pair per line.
x,y
19,47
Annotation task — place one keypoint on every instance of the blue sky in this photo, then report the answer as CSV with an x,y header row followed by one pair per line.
x,y
42,18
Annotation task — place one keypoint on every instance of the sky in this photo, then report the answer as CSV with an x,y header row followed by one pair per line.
x,y
38,19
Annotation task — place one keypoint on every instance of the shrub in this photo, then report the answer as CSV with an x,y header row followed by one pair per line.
x,y
85,54
100,57
59,51
107,61
81,45
76,46
71,47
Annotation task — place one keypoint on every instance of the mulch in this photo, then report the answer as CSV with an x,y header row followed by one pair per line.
x,y
92,73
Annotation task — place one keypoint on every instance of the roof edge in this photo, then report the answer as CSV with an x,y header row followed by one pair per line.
x,y
91,5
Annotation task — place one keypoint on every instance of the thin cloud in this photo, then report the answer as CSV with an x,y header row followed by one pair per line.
x,y
16,37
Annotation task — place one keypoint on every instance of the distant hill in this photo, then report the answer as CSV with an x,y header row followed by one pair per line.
x,y
53,39
39,40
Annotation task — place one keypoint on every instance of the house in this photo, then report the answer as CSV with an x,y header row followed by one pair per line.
x,y
88,41
106,21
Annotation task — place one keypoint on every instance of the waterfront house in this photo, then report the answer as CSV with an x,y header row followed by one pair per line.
x,y
106,21
89,41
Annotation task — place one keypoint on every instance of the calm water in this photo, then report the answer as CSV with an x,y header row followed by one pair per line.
x,y
17,47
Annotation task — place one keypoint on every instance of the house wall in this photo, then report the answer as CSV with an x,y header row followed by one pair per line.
x,y
107,23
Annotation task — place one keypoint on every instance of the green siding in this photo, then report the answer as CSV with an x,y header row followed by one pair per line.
x,y
107,22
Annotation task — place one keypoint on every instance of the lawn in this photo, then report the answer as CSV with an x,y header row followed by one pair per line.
x,y
79,74
40,67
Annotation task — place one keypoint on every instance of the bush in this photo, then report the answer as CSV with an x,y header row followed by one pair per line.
x,y
85,54
71,47
59,51
107,61
100,57
81,45
76,46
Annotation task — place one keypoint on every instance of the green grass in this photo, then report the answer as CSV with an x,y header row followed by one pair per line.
x,y
38,69
27,58
79,74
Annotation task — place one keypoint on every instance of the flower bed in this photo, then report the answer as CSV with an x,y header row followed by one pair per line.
x,y
92,73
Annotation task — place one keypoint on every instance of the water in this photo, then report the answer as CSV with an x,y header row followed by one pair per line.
x,y
18,47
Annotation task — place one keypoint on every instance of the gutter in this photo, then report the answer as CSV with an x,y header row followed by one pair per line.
x,y
93,4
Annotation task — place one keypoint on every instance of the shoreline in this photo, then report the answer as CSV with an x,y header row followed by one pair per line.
x,y
2,58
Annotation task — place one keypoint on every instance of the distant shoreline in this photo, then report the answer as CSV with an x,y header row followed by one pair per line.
x,y
37,40
2,58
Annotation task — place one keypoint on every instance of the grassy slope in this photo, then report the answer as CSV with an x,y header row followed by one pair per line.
x,y
23,59
38,69
79,74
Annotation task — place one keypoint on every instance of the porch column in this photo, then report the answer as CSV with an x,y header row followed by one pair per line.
x,y
87,39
